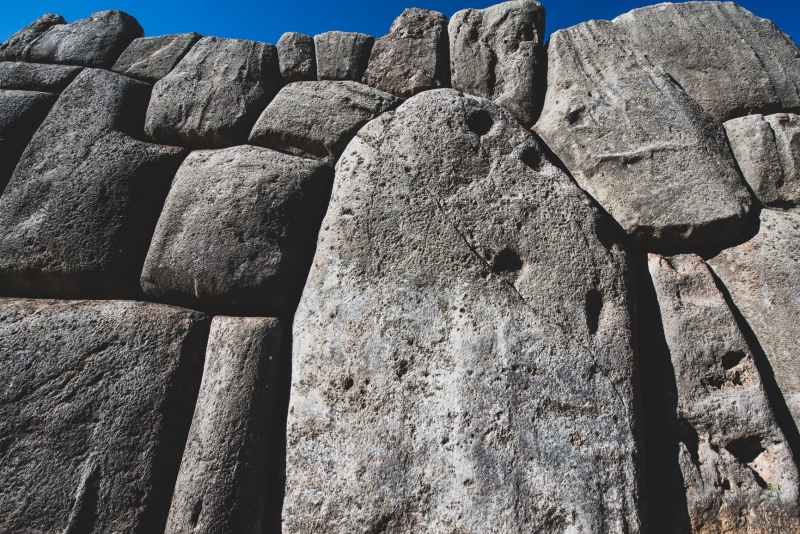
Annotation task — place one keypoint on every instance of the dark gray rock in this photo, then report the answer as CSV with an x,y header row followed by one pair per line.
x,y
78,214
36,76
641,146
342,55
12,49
318,119
95,407
297,58
462,353
238,231
497,53
213,96
151,58
231,469
94,42
414,57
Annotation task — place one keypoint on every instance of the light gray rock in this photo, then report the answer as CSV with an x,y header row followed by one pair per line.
x,y
733,463
342,55
94,42
213,96
238,231
230,469
462,353
729,60
78,214
12,49
414,57
318,119
36,76
297,58
151,58
497,53
636,142
95,407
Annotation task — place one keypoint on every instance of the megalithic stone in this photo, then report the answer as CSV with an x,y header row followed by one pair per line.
x,y
36,76
12,49
297,58
342,55
151,58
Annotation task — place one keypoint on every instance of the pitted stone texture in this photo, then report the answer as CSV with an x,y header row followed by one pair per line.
x,y
78,214
230,469
763,277
734,469
463,349
636,142
36,76
94,42
151,58
497,53
342,55
768,152
414,57
729,60
12,49
238,231
318,119
96,404
297,58
212,98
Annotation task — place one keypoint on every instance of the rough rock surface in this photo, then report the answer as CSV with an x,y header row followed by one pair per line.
x,y
462,356
768,152
729,60
318,119
231,460
636,142
77,216
151,58
238,231
297,58
497,53
94,42
12,49
720,451
342,55
414,57
36,77
95,407
212,98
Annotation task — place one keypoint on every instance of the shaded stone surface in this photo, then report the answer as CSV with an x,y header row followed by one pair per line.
x,y
462,353
230,470
342,55
414,57
36,77
12,49
636,142
151,58
96,404
213,96
77,216
297,58
497,53
318,119
238,231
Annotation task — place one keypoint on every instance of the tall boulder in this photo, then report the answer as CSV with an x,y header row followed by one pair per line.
x,y
342,55
151,58
12,49
297,57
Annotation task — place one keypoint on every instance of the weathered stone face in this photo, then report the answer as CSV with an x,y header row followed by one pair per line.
x,y
12,49
151,58
36,77
342,55
297,57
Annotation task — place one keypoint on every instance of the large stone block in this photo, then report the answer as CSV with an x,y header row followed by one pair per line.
x,y
213,96
78,214
238,231
12,49
342,55
462,353
36,76
297,57
151,58
95,407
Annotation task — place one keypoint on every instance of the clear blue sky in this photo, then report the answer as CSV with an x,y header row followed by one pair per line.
x,y
266,20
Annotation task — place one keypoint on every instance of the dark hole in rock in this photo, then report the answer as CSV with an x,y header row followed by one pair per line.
x,y
87,506
686,434
732,359
594,305
531,157
760,481
348,383
480,122
506,261
402,368
198,507
745,449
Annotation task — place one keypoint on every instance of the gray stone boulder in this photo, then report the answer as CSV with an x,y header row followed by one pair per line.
x,y
497,53
78,214
297,58
768,152
229,476
238,231
151,58
729,60
12,49
213,96
641,146
94,42
462,353
36,76
318,119
414,57
95,408
342,55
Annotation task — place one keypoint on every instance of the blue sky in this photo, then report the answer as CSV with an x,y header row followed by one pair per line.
x,y
266,20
